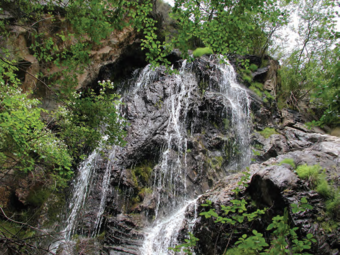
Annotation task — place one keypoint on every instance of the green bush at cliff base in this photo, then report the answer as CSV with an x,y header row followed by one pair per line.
x,y
199,52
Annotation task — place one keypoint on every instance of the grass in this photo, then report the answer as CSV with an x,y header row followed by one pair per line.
x,y
309,173
288,161
256,90
317,179
267,132
199,52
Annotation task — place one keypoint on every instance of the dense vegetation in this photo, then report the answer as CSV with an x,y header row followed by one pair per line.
x,y
48,143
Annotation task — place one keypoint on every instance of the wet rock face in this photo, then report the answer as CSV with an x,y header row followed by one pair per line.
x,y
276,186
181,121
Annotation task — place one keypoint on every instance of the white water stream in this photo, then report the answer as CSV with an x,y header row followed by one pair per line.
x,y
165,231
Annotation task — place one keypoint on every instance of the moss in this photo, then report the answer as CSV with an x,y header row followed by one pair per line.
x,y
142,173
264,63
257,85
13,229
258,146
324,189
226,123
268,95
199,52
267,132
188,151
329,226
38,197
256,153
215,162
159,104
101,236
203,85
333,205
288,161
247,78
256,90
253,67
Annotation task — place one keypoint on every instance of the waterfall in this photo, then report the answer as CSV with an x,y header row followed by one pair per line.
x,y
105,189
164,234
237,97
165,231
80,189
170,176
79,192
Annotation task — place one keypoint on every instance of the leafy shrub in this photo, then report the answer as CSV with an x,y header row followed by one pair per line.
x,y
267,132
199,52
288,161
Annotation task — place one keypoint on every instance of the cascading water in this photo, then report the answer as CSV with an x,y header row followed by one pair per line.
x,y
170,192
105,189
80,189
238,99
170,175
164,233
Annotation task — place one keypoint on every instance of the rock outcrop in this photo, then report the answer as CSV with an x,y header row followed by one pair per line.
x,y
275,185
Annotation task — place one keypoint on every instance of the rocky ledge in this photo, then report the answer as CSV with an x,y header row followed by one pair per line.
x,y
275,186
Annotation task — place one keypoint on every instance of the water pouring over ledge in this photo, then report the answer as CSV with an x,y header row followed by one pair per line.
x,y
172,187
164,233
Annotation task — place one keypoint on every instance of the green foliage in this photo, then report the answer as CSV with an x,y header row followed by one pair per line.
x,y
310,73
302,206
317,179
282,232
87,120
143,171
253,67
38,197
267,132
199,52
247,78
203,19
283,239
248,245
288,161
333,205
256,153
256,90
187,246
25,140
310,173
324,189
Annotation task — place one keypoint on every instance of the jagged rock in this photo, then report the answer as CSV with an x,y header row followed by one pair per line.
x,y
276,186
